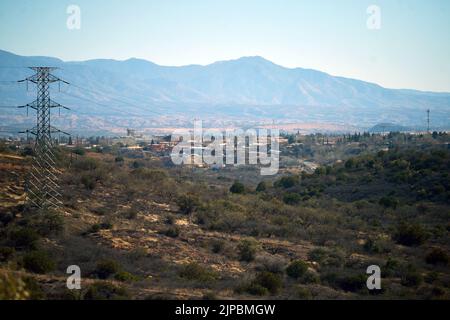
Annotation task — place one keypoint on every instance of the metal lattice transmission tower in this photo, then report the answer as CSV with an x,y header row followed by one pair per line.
x,y
42,182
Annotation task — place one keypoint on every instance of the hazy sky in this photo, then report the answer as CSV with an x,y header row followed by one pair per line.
x,y
410,50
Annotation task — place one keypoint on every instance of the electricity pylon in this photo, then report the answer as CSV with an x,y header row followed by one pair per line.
x,y
42,182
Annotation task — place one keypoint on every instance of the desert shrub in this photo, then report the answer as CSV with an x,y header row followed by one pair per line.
x,y
169,219
88,181
23,238
431,277
247,249
106,268
99,226
218,246
376,246
310,277
6,253
85,164
6,218
437,256
209,296
410,234
350,163
270,263
137,254
389,202
187,204
154,175
292,198
286,182
131,214
105,291
271,281
27,151
194,271
48,223
392,267
38,262
262,186
172,231
34,289
303,293
296,269
237,187
253,288
411,278
12,287
353,283
125,276
327,257
79,151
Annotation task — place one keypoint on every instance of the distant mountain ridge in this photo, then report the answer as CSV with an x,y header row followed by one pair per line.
x,y
245,88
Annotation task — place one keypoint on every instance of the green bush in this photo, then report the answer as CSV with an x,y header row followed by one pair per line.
x,y
12,287
172,231
99,226
218,246
292,198
125,276
6,253
88,181
310,277
38,262
352,283
296,269
410,234
389,202
287,182
437,256
23,238
194,271
261,186
247,249
187,204
79,151
327,257
48,223
411,278
154,175
106,268
105,291
256,289
237,187
85,164
272,282
303,293
34,289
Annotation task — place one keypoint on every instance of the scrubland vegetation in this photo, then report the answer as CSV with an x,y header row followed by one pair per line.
x,y
141,229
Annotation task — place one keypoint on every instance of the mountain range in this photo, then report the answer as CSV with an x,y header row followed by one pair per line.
x,y
105,94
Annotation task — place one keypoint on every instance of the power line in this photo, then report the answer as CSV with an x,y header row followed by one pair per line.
x,y
112,98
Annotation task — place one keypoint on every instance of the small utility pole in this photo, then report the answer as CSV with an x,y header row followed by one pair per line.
x,y
428,120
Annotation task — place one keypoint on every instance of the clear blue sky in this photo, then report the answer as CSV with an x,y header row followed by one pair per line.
x,y
411,50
